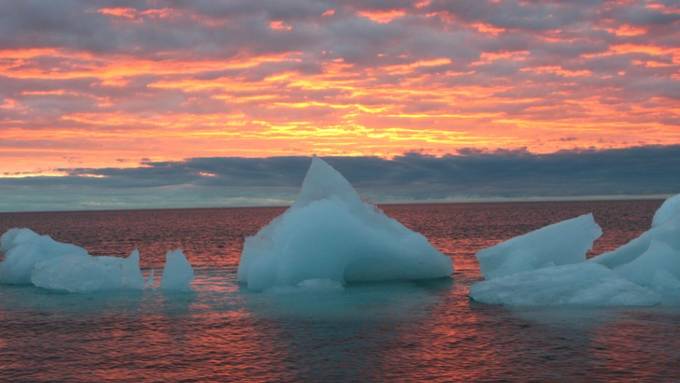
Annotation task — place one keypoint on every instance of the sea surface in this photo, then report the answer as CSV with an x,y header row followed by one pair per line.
x,y
401,332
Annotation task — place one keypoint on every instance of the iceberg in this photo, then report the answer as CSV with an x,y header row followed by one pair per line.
x,y
561,243
645,271
30,258
330,234
177,273
23,249
86,273
580,284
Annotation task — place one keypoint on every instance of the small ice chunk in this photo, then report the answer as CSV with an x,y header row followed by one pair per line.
x,y
580,284
85,273
561,243
23,249
331,234
177,273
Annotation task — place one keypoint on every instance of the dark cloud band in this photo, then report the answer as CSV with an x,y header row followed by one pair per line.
x,y
473,174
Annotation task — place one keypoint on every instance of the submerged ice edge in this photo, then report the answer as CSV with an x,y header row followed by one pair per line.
x,y
30,258
524,270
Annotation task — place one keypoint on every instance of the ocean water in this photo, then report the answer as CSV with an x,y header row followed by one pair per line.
x,y
427,331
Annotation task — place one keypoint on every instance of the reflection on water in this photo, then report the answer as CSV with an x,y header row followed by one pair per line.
x,y
361,302
368,332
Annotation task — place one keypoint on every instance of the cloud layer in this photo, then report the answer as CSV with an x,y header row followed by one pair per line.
x,y
104,83
471,175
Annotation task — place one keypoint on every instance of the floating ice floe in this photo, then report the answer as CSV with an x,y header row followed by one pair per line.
x,y
23,249
645,271
177,273
330,234
86,273
30,258
561,243
581,284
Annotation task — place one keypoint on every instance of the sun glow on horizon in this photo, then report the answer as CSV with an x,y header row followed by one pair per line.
x,y
346,80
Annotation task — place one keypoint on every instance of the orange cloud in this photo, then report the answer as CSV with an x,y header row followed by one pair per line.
x,y
360,82
279,25
128,13
382,17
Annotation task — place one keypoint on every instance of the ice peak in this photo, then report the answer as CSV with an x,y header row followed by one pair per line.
x,y
323,181
134,256
177,272
668,211
330,237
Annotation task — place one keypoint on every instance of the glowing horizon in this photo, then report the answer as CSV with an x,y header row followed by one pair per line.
x,y
94,86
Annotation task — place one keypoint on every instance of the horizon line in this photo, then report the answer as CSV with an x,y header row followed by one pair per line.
x,y
467,200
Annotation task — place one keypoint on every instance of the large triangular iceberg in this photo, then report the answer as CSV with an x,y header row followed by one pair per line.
x,y
329,233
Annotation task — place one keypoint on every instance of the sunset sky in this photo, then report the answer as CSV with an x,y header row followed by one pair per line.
x,y
123,84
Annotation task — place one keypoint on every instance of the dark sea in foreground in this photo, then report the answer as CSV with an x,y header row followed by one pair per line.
x,y
367,333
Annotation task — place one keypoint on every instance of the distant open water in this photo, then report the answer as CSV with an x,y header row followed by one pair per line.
x,y
367,333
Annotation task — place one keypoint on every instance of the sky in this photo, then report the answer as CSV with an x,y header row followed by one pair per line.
x,y
95,92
